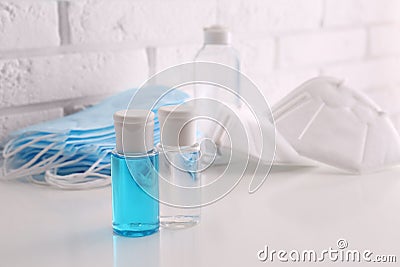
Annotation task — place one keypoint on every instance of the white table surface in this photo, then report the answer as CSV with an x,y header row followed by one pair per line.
x,y
307,208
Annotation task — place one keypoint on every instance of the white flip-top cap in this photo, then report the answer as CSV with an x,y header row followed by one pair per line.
x,y
217,34
177,127
134,130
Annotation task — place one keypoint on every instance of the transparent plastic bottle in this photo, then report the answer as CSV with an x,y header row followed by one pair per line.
x,y
179,167
134,175
217,48
179,177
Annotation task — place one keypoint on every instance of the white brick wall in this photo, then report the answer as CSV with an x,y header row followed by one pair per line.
x,y
376,73
38,20
168,56
385,40
257,55
360,12
266,16
278,83
55,54
42,79
147,22
319,48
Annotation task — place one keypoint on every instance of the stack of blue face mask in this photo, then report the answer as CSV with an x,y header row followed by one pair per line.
x,y
73,152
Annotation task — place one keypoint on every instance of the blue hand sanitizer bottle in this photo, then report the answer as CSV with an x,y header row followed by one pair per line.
x,y
134,174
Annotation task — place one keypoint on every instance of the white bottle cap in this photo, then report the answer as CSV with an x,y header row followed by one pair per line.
x,y
134,131
177,127
217,35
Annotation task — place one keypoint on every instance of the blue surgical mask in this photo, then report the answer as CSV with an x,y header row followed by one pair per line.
x,y
73,152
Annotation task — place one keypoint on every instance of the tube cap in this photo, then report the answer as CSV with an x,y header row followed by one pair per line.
x,y
177,126
217,34
134,130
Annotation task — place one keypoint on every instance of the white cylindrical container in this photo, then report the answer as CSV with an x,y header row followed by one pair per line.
x,y
178,157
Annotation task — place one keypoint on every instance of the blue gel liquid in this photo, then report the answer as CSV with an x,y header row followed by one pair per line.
x,y
135,194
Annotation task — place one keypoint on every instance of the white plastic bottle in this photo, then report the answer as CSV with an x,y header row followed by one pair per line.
x,y
217,48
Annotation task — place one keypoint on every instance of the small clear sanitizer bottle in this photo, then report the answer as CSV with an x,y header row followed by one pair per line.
x,y
180,183
134,174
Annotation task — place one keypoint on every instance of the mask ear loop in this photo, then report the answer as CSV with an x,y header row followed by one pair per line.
x,y
7,151
51,162
77,181
53,165
64,162
80,181
73,181
29,169
99,180
26,169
